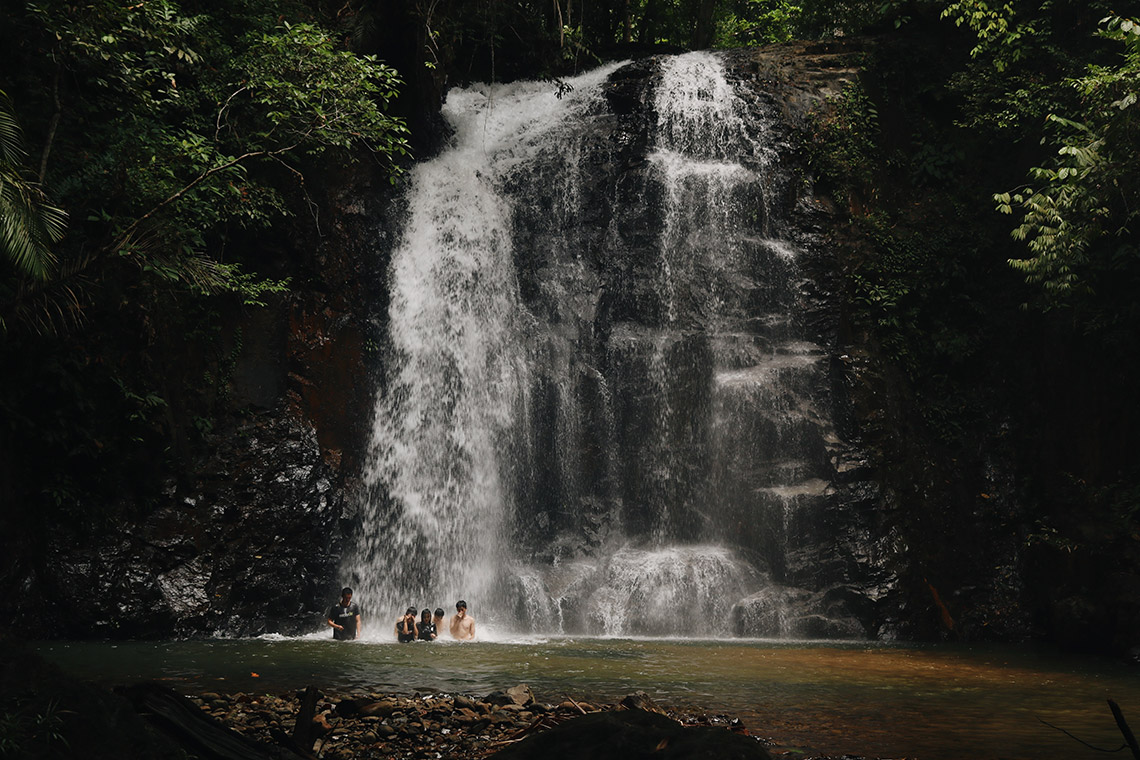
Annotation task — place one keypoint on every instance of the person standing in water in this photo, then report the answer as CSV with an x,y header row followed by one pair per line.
x,y
462,625
344,617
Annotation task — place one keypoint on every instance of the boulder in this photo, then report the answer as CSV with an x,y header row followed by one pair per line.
x,y
520,695
632,735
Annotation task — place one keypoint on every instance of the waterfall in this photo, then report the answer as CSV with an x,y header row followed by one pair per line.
x,y
455,393
600,411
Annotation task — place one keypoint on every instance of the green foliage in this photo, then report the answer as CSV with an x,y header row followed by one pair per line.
x,y
841,142
914,270
307,95
1078,219
29,226
844,18
198,118
757,22
1002,38
1096,513
912,295
1009,105
28,730
178,136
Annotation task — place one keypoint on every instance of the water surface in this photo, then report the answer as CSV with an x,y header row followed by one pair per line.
x,y
873,699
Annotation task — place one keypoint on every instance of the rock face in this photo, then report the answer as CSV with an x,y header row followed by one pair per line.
x,y
247,538
252,551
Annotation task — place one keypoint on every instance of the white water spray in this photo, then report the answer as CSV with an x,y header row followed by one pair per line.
x,y
454,400
562,469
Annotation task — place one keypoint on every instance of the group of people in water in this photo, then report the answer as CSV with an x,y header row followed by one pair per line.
x,y
344,619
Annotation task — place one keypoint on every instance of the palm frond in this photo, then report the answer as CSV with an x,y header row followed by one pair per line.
x,y
11,137
48,307
28,224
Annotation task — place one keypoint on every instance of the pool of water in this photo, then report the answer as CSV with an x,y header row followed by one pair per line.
x,y
872,699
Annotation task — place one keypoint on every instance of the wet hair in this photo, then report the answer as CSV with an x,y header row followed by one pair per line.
x,y
410,611
345,591
461,603
425,614
439,611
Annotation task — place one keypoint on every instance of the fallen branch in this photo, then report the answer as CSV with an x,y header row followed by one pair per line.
x,y
571,700
1124,729
522,731
1079,740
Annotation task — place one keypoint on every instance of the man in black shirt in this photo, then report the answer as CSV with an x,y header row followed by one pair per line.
x,y
344,617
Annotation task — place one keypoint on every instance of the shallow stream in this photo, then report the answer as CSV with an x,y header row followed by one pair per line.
x,y
865,698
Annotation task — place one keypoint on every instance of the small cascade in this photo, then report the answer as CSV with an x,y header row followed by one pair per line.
x,y
600,410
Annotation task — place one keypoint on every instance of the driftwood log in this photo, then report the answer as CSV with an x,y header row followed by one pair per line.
x,y
183,721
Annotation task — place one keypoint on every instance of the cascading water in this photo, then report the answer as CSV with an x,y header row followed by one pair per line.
x,y
600,411
455,394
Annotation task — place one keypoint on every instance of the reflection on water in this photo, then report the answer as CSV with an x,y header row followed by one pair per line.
x,y
933,703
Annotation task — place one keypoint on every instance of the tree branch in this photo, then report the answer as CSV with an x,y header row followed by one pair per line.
x,y
51,125
222,110
130,230
1124,729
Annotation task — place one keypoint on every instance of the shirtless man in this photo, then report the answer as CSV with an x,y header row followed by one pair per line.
x,y
462,625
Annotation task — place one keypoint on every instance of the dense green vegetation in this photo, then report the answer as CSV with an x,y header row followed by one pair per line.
x,y
150,155
158,159
992,254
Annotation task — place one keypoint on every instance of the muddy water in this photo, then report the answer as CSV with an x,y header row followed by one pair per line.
x,y
934,703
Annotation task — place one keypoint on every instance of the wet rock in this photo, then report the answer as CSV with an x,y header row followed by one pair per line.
x,y
521,695
640,701
632,735
382,708
264,537
782,611
321,725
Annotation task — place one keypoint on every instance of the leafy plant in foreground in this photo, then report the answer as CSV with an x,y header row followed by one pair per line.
x,y
1078,220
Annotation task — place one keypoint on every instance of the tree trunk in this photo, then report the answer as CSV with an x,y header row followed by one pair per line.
x,y
647,33
52,126
703,31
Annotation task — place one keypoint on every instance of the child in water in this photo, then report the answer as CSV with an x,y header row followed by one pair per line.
x,y
406,629
427,628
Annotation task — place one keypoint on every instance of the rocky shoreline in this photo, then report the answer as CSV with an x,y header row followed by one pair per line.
x,y
48,713
432,726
